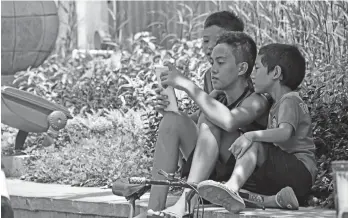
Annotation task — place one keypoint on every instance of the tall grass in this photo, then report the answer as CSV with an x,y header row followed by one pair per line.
x,y
319,28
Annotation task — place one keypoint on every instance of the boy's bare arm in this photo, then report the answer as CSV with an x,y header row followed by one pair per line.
x,y
220,115
287,124
195,115
276,135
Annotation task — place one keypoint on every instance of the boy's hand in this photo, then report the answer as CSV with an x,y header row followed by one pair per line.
x,y
161,101
173,78
240,146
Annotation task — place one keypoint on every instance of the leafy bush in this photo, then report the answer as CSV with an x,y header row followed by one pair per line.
x,y
326,93
101,92
122,81
93,152
8,137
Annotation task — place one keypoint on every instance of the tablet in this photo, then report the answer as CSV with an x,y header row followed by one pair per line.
x,y
169,91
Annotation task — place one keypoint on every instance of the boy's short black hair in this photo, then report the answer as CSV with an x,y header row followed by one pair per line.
x,y
244,48
289,59
226,20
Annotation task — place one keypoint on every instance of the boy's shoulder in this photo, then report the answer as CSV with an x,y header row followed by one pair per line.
x,y
292,100
293,97
257,101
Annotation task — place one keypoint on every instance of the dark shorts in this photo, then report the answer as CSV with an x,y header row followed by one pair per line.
x,y
281,169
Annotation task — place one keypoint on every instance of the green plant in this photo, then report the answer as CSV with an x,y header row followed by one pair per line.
x,y
93,151
8,138
318,28
326,93
185,16
68,41
119,21
122,81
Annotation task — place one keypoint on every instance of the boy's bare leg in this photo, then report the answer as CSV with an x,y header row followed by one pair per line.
x,y
268,201
175,130
204,159
207,151
245,166
228,139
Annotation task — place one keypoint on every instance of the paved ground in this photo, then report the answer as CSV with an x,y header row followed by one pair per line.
x,y
97,202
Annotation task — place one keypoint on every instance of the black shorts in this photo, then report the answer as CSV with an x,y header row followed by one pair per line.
x,y
281,169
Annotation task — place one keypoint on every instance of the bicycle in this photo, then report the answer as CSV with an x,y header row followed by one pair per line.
x,y
135,187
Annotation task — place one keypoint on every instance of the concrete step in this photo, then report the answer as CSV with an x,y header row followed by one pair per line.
x,y
37,200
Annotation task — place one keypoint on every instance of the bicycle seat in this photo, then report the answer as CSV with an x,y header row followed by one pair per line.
x,y
121,187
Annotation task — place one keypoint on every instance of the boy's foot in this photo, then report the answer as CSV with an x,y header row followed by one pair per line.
x,y
286,199
219,194
166,214
178,210
245,194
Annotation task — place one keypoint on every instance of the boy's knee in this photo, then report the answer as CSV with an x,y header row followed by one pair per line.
x,y
260,151
175,123
172,121
204,127
207,123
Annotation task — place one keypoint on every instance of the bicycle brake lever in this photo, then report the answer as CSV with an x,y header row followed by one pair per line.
x,y
169,176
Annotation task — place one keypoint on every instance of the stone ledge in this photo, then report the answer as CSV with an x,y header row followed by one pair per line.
x,y
81,202
32,196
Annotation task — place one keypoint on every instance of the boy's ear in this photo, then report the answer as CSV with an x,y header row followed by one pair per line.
x,y
243,68
277,72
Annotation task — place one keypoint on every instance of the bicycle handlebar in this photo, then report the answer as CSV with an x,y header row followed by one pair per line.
x,y
145,181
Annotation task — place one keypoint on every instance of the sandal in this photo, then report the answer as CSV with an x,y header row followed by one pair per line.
x,y
286,199
168,214
219,194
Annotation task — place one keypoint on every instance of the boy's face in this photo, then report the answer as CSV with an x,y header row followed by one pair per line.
x,y
224,71
262,80
210,36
